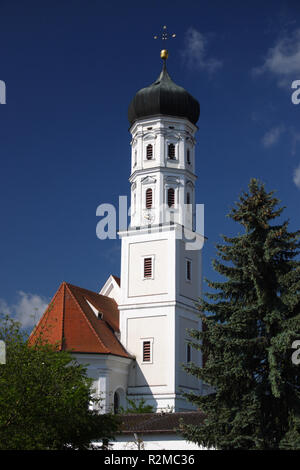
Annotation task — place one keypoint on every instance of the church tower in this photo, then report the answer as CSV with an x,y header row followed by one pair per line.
x,y
160,272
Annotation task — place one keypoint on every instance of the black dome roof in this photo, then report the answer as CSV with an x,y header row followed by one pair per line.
x,y
163,97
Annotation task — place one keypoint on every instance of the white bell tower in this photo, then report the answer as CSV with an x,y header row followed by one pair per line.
x,y
160,277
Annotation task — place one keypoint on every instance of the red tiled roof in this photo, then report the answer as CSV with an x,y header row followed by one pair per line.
x,y
148,423
70,323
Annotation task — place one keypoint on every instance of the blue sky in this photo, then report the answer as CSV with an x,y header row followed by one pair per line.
x,y
71,69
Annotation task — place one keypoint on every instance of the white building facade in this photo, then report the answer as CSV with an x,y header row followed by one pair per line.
x,y
134,333
160,276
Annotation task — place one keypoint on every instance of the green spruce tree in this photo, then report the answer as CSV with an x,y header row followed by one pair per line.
x,y
250,321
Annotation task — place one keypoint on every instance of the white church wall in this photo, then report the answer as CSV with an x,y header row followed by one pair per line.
x,y
111,289
151,328
157,316
190,289
109,374
184,379
137,285
139,243
160,308
154,441
160,132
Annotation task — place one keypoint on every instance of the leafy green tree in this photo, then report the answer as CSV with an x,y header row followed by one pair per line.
x,y
46,398
253,317
136,407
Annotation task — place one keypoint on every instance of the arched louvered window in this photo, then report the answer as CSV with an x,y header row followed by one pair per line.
x,y
188,156
149,198
171,197
188,198
171,151
149,152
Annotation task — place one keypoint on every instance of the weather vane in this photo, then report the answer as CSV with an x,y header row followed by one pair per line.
x,y
164,36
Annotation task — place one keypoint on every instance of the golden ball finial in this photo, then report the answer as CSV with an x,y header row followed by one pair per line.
x,y
164,54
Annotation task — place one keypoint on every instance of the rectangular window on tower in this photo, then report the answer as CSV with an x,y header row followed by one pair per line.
x,y
135,158
188,156
147,349
148,267
188,358
188,270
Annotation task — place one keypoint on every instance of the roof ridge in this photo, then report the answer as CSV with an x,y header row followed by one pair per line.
x,y
46,312
86,319
63,316
117,279
90,291
159,422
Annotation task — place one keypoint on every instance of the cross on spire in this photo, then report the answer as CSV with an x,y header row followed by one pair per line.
x,y
164,35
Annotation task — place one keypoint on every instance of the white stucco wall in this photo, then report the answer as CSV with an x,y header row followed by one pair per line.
x,y
160,309
160,171
111,289
109,374
151,328
137,285
155,442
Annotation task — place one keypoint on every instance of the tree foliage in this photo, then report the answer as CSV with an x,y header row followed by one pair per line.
x,y
136,407
46,399
251,321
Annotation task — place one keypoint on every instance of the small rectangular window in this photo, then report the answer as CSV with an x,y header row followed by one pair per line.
x,y
188,156
147,267
188,353
188,267
146,351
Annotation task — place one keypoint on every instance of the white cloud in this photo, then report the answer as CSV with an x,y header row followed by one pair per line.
x,y
283,60
272,136
28,309
295,140
296,176
4,308
195,52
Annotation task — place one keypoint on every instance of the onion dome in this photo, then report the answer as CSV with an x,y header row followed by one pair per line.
x,y
163,97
